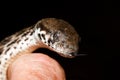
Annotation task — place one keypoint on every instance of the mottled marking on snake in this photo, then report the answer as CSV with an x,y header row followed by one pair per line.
x,y
26,39
43,36
39,36
51,33
31,33
11,53
7,50
11,43
18,41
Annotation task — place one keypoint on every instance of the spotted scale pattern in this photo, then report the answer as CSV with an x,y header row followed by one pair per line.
x,y
54,34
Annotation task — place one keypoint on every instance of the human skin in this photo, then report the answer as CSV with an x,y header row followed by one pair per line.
x,y
35,67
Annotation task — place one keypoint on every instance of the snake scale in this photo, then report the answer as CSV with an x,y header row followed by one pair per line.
x,y
51,33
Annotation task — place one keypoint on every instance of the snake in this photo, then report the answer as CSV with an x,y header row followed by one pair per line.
x,y
54,34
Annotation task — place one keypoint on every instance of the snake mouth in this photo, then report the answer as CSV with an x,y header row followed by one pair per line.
x,y
66,55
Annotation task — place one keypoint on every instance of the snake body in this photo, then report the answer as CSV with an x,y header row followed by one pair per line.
x,y
54,34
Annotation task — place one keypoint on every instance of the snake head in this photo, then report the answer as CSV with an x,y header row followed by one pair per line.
x,y
60,36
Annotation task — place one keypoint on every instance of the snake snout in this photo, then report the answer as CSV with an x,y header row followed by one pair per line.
x,y
73,54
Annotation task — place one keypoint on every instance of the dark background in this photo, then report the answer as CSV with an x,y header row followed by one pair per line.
x,y
97,22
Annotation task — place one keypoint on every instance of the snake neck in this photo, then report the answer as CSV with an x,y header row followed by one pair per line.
x,y
29,40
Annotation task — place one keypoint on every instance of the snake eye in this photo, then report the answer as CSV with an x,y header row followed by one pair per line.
x,y
63,42
56,36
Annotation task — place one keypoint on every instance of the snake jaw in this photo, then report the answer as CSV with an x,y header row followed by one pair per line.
x,y
65,52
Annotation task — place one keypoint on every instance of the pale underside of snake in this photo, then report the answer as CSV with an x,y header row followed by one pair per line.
x,y
51,33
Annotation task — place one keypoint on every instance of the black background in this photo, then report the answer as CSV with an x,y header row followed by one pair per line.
x,y
97,22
